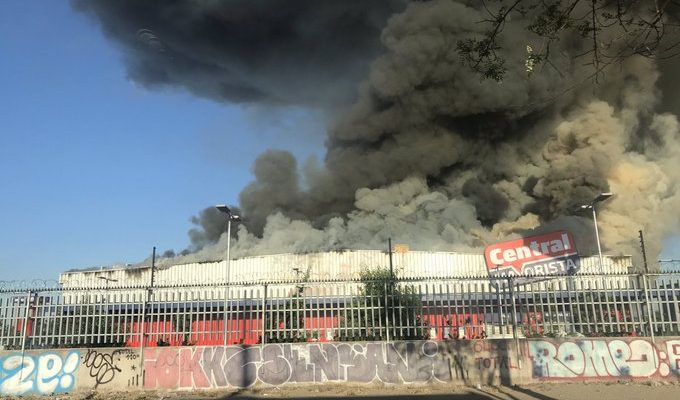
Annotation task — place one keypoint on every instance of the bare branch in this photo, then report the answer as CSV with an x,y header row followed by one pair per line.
x,y
613,31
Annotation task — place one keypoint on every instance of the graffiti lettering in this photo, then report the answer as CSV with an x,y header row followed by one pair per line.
x,y
129,354
502,362
588,358
276,364
101,365
47,373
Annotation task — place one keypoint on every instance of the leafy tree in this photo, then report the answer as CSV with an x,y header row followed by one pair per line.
x,y
383,304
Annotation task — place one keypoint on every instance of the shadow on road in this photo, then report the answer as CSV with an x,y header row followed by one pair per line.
x,y
497,393
468,395
530,394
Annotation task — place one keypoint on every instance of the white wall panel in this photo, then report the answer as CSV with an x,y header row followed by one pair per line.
x,y
325,266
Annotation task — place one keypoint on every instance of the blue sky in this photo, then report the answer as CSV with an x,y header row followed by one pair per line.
x,y
95,170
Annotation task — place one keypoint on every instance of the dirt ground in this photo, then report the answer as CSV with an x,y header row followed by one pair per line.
x,y
543,391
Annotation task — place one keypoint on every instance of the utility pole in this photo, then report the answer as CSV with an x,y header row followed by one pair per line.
x,y
644,253
147,299
153,265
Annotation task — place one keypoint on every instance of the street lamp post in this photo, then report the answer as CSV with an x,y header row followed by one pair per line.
x,y
235,218
230,217
600,198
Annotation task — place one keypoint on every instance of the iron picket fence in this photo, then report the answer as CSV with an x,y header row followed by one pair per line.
x,y
51,316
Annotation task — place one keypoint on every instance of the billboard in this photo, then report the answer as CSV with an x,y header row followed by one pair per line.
x,y
537,256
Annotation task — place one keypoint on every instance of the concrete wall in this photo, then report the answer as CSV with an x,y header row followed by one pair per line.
x,y
453,362
604,359
66,370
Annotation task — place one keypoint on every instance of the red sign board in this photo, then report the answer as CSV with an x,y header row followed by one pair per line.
x,y
548,254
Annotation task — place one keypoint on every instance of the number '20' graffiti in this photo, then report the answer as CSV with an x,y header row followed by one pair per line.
x,y
46,373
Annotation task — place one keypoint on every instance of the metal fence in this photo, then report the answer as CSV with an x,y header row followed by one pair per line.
x,y
46,316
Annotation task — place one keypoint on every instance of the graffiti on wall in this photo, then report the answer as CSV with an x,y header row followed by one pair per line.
x,y
46,373
103,365
276,364
601,358
491,355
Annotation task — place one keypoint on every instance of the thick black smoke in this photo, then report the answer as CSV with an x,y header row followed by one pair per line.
x,y
428,154
305,52
213,224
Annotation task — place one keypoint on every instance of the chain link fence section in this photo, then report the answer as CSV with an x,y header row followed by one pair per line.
x,y
47,316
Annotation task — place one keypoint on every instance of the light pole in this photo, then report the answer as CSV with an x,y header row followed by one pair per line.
x,y
230,217
600,198
235,218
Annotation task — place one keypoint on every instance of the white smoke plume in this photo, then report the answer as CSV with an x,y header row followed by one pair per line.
x,y
432,156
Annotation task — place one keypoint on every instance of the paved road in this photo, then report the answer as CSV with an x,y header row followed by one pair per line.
x,y
614,391
545,391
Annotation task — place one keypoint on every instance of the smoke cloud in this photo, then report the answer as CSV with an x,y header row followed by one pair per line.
x,y
248,51
427,154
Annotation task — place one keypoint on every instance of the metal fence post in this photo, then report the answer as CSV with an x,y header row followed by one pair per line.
x,y
142,333
387,316
515,335
650,314
24,328
499,300
24,332
513,318
147,299
264,316
225,317
571,291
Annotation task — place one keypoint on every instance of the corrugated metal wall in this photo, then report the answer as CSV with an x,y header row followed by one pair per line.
x,y
345,265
